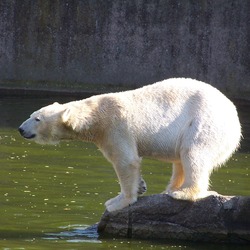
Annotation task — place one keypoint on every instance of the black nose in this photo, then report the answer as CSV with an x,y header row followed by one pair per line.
x,y
21,131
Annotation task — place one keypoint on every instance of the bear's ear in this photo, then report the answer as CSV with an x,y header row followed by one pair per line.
x,y
75,120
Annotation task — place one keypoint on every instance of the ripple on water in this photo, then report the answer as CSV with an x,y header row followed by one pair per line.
x,y
76,233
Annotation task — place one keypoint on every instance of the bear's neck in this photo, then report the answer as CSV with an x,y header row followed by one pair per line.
x,y
90,135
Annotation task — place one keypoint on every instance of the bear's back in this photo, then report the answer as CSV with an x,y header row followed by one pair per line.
x,y
159,114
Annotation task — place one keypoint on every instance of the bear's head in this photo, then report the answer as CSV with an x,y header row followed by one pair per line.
x,y
45,125
56,122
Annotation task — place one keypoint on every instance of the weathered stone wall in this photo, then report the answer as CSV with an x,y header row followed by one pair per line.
x,y
91,44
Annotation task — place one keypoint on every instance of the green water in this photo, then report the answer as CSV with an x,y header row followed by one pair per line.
x,y
49,195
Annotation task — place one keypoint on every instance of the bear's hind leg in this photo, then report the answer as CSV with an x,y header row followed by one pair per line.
x,y
177,178
196,179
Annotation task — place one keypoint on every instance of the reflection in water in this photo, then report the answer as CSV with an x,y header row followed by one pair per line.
x,y
49,193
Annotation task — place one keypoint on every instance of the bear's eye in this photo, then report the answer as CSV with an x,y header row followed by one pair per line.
x,y
37,119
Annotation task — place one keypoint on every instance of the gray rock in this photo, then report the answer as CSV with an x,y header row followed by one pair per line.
x,y
212,219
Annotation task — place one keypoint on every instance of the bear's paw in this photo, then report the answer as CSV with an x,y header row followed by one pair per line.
x,y
119,202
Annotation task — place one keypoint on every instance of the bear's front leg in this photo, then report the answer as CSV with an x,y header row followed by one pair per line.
x,y
142,188
129,178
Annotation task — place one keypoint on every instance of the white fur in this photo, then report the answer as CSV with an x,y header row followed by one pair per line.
x,y
183,121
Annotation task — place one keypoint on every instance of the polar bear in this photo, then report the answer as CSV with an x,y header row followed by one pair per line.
x,y
183,121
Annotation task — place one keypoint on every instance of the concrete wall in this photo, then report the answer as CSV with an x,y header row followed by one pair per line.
x,y
90,44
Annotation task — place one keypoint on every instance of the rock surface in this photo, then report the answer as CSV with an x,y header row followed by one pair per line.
x,y
213,219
